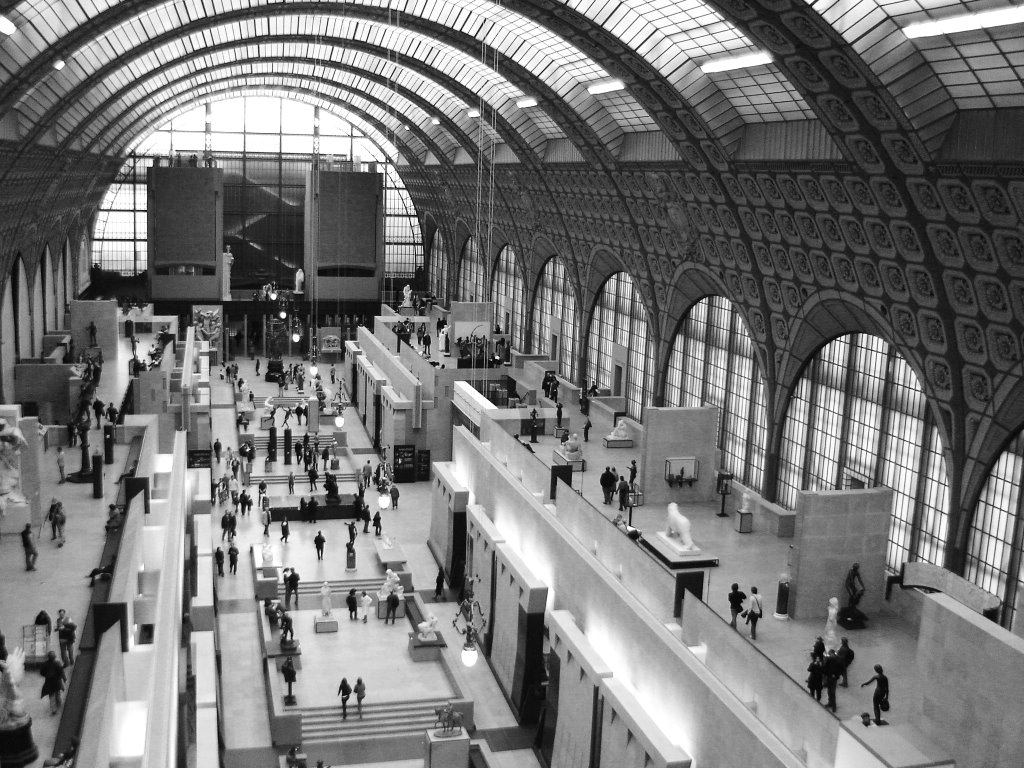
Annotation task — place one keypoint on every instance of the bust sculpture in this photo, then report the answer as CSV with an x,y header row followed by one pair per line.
x,y
407,296
678,527
325,599
620,432
572,449
428,629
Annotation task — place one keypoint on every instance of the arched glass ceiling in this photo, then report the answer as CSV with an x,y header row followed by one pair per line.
x,y
274,58
418,50
544,55
404,144
367,96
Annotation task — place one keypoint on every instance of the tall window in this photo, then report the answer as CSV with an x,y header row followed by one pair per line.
x,y
994,549
266,146
507,294
471,273
555,319
859,419
439,267
619,350
712,363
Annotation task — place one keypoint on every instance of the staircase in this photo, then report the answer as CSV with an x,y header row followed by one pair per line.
x,y
340,587
301,480
261,441
385,720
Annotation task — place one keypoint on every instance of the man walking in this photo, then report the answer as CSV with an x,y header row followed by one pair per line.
x,y
30,548
607,484
218,558
66,634
313,475
319,542
736,598
233,559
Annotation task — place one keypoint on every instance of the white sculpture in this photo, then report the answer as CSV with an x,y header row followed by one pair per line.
x,y
620,432
12,705
428,628
391,584
831,625
571,449
300,280
12,440
325,599
407,296
679,527
268,554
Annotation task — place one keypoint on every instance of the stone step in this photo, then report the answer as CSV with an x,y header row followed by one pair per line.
x,y
338,587
300,478
389,718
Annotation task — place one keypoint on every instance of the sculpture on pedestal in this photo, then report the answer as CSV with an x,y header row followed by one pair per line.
x,y
407,296
11,442
449,720
620,432
268,554
428,629
678,527
300,280
572,449
17,747
325,599
391,584
831,625
852,617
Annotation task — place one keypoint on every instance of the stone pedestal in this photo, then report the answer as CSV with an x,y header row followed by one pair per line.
x,y
446,751
426,650
17,747
325,624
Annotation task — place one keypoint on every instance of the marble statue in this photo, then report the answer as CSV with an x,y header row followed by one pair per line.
x,y
300,280
12,704
325,599
572,449
268,554
832,625
679,528
428,628
620,432
12,440
407,296
391,584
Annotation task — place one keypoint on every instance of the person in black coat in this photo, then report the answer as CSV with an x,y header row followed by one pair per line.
x,y
880,699
344,690
53,680
218,558
815,677
352,604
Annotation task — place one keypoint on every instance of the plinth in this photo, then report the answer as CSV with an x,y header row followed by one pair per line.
x,y
325,624
446,751
17,747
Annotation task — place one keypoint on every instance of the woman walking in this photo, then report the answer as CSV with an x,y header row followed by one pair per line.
x,y
360,690
344,690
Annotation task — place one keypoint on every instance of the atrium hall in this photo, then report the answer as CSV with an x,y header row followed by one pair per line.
x,y
464,355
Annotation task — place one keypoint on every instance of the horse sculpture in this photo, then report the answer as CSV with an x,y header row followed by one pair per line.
x,y
449,720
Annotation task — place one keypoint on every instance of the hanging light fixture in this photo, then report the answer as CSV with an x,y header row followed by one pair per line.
x,y
339,421
313,369
469,621
282,314
383,501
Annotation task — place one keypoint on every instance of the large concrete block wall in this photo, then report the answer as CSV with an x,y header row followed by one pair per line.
x,y
104,315
580,671
699,712
679,432
629,736
834,530
447,500
981,724
47,386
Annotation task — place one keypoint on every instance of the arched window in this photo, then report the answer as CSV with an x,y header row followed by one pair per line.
x,y
994,548
507,294
619,349
471,273
555,319
439,267
7,335
859,419
712,363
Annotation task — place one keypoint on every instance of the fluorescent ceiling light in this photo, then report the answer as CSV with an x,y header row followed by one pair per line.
x,y
605,86
7,26
529,101
743,61
434,121
58,64
473,113
966,22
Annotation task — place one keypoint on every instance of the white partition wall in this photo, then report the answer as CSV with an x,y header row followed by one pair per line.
x,y
572,692
629,739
